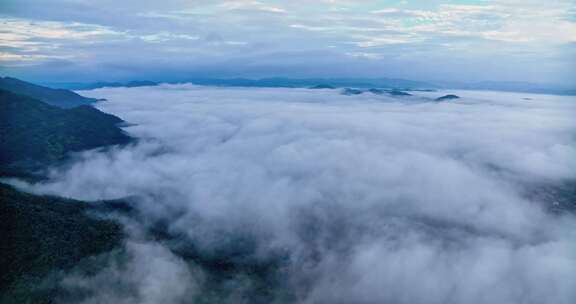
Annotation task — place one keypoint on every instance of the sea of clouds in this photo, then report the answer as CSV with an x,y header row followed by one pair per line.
x,y
351,199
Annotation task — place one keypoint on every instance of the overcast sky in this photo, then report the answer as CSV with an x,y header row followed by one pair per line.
x,y
87,40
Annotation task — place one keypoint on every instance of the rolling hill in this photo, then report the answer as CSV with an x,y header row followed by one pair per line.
x,y
33,133
56,97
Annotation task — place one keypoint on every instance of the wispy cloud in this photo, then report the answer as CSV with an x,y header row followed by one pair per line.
x,y
27,40
470,32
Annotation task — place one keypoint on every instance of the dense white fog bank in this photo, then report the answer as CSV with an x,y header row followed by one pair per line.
x,y
357,199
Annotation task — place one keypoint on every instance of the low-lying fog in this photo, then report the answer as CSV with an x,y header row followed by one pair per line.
x,y
352,199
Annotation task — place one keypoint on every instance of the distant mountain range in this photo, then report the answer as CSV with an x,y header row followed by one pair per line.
x,y
381,83
512,86
264,82
315,82
99,84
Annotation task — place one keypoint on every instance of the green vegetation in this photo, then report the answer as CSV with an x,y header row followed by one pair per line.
x,y
56,97
44,236
33,133
41,237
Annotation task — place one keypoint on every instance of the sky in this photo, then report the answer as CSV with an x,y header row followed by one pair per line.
x,y
170,40
354,199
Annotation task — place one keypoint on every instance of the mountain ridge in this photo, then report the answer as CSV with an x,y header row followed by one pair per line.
x,y
34,133
57,97
389,83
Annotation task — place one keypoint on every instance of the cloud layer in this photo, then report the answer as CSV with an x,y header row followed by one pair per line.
x,y
441,40
355,199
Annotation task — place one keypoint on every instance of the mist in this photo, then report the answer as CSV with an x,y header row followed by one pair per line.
x,y
327,198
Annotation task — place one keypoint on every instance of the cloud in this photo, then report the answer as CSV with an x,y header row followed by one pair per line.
x,y
252,5
430,36
152,274
25,41
365,199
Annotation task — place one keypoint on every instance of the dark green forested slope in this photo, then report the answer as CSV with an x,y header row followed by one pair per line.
x,y
42,235
33,133
57,97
